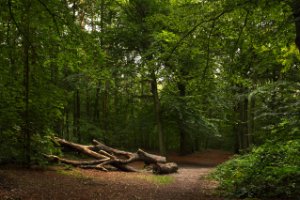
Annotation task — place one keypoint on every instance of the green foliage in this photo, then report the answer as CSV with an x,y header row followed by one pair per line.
x,y
11,147
277,116
194,121
42,145
271,170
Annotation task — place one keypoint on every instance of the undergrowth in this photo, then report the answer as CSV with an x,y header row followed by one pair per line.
x,y
269,171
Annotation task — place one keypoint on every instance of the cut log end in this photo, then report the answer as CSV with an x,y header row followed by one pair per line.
x,y
165,168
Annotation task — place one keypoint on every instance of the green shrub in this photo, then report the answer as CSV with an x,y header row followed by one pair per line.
x,y
269,171
42,145
12,148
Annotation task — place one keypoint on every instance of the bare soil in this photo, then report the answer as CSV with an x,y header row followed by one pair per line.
x,y
61,183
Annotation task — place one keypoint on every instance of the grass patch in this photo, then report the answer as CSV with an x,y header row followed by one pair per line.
x,y
158,179
70,172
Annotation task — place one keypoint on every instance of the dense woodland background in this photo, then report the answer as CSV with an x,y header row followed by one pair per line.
x,y
163,75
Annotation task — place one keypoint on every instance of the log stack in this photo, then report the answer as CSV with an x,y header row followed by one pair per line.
x,y
106,158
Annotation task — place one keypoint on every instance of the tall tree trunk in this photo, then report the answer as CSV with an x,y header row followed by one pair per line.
x,y
78,134
296,12
87,105
101,22
96,104
67,124
157,109
251,106
26,74
76,115
235,130
186,146
105,100
105,108
244,118
241,127
11,41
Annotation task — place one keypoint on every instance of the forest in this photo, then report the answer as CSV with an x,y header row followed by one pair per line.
x,y
166,76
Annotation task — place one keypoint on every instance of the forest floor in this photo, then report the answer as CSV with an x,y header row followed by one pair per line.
x,y
62,183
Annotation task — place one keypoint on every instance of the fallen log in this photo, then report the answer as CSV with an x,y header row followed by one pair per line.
x,y
165,168
106,157
79,147
100,146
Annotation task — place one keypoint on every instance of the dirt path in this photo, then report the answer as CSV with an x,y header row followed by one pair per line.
x,y
77,184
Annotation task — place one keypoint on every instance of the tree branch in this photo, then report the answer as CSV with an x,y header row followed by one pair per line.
x,y
52,15
199,24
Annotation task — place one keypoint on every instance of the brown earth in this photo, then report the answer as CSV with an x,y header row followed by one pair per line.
x,y
61,183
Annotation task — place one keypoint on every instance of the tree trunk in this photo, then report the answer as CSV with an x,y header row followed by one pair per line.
x,y
241,127
101,22
87,105
78,134
157,110
296,12
245,123
76,115
105,109
96,103
251,106
186,146
67,124
26,74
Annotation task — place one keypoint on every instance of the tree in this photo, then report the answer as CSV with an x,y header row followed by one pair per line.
x,y
296,7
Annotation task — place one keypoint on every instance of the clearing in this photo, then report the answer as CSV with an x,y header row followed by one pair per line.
x,y
60,183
